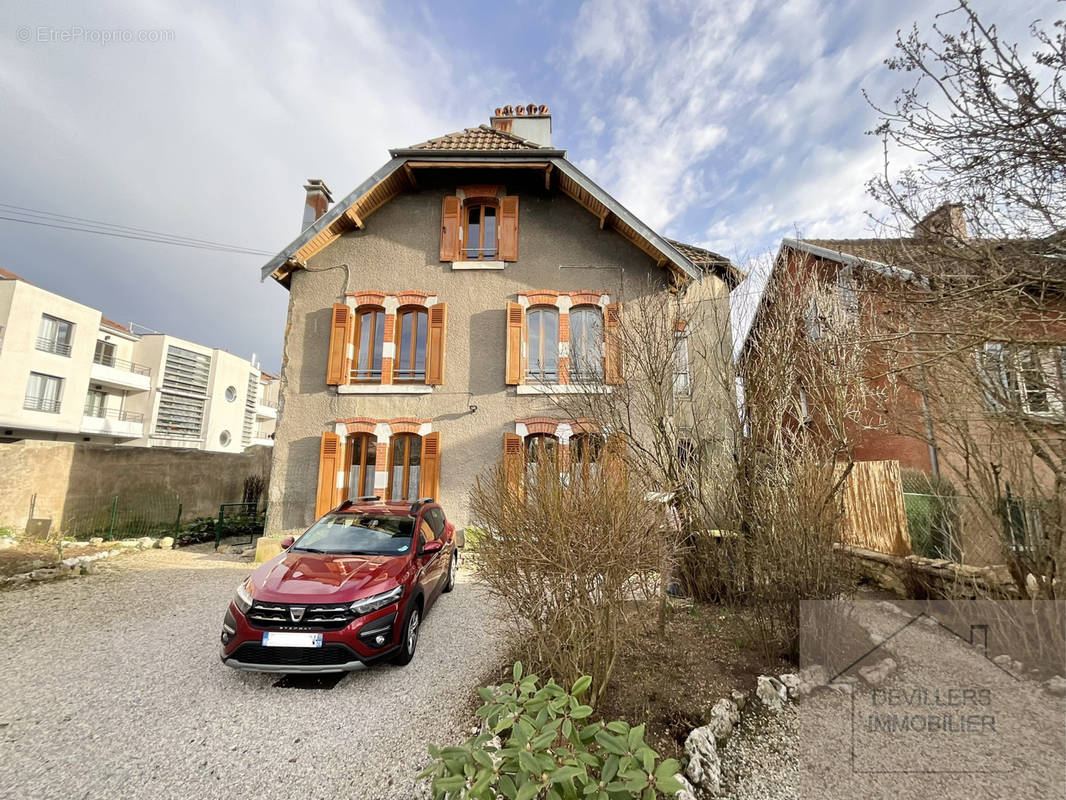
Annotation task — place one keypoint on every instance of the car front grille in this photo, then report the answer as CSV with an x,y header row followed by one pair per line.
x,y
280,617
330,654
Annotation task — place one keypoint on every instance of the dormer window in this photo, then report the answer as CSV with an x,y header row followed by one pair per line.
x,y
479,231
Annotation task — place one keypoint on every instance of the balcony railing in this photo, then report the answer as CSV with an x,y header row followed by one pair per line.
x,y
114,413
121,363
52,346
41,404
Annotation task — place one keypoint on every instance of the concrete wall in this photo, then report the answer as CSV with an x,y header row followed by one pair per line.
x,y
561,248
66,475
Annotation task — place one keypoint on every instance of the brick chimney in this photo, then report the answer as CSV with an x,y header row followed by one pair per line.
x,y
947,221
317,202
532,122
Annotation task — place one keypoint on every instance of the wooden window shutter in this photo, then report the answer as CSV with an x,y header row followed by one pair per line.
x,y
612,368
449,229
614,457
329,457
339,365
429,480
435,338
514,458
516,318
509,228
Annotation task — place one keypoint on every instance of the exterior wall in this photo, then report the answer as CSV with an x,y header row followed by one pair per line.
x,y
20,357
62,476
561,248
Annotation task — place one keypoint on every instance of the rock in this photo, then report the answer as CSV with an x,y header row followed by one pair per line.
x,y
686,792
1056,686
876,674
166,543
1016,667
222,549
704,767
44,574
70,562
811,678
724,716
7,542
891,608
147,542
67,543
791,682
739,698
771,692
1002,661
96,540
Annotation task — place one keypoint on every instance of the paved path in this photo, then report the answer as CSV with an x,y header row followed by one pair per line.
x,y
112,688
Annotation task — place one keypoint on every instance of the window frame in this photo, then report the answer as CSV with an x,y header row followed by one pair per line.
x,y
539,311
55,344
405,478
41,402
1006,386
421,317
468,205
532,442
91,409
367,467
593,344
357,373
580,445
104,353
682,364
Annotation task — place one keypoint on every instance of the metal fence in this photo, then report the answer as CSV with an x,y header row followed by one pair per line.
x,y
933,522
128,515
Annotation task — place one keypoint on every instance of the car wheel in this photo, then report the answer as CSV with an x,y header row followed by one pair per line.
x,y
453,570
409,637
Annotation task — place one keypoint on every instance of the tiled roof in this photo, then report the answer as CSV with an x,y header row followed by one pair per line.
x,y
480,138
11,276
112,324
707,261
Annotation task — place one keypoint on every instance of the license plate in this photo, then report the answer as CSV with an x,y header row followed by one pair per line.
x,y
285,639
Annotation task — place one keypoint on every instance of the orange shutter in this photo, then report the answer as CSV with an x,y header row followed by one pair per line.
x,y
614,457
429,480
513,462
509,228
339,365
329,457
438,318
612,368
515,328
449,229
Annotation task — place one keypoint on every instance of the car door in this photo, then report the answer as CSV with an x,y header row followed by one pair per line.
x,y
431,571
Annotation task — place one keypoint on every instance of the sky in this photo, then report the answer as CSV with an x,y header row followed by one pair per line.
x,y
725,124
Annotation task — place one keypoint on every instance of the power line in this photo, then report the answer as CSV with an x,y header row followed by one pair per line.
x,y
47,219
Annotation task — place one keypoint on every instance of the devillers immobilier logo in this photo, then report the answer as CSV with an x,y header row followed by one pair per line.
x,y
920,710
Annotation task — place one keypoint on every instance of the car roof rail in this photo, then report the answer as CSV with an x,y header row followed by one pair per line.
x,y
366,498
416,506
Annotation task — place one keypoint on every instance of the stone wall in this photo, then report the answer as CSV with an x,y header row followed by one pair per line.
x,y
67,475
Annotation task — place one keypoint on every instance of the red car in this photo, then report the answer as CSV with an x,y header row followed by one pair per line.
x,y
352,590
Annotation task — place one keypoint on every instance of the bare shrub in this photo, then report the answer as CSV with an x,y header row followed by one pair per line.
x,y
567,554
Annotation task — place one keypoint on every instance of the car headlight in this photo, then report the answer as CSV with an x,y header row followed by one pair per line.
x,y
376,601
243,598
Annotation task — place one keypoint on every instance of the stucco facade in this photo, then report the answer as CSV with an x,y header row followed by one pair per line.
x,y
561,248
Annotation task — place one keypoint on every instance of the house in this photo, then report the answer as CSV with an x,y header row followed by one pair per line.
x,y
68,373
964,414
437,309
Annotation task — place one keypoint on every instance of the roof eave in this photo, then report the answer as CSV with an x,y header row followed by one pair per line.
x,y
538,154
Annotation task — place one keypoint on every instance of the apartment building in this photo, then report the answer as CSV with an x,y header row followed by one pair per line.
x,y
67,373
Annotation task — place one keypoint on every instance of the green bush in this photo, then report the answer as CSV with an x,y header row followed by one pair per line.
x,y
547,749
932,513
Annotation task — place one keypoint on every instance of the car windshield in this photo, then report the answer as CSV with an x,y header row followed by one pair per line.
x,y
358,534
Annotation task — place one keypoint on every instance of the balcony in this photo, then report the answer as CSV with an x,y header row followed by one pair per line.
x,y
110,371
41,404
266,412
113,422
46,345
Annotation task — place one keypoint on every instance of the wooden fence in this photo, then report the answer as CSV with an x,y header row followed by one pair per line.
x,y
874,515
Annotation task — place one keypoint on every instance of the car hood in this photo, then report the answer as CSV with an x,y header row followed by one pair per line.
x,y
300,577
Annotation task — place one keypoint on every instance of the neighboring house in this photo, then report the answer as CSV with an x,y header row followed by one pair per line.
x,y
266,412
67,373
995,386
438,307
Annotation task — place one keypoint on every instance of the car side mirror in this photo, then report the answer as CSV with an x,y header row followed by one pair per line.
x,y
287,542
432,547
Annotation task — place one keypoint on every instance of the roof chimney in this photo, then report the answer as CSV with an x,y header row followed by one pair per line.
x,y
317,202
946,221
532,122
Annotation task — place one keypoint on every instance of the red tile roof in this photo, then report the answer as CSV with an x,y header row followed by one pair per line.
x,y
708,261
480,138
112,324
11,276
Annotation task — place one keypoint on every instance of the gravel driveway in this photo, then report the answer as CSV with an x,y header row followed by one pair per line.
x,y
112,688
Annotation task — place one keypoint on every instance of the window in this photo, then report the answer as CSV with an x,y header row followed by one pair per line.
x,y
586,450
541,447
225,438
364,450
405,467
426,533
231,394
43,393
105,353
179,416
369,342
586,344
543,327
186,371
411,355
1026,379
436,521
95,403
55,335
682,373
479,231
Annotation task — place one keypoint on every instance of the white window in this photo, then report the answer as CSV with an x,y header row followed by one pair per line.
x,y
55,335
105,353
682,370
586,344
43,393
543,326
96,403
1027,379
